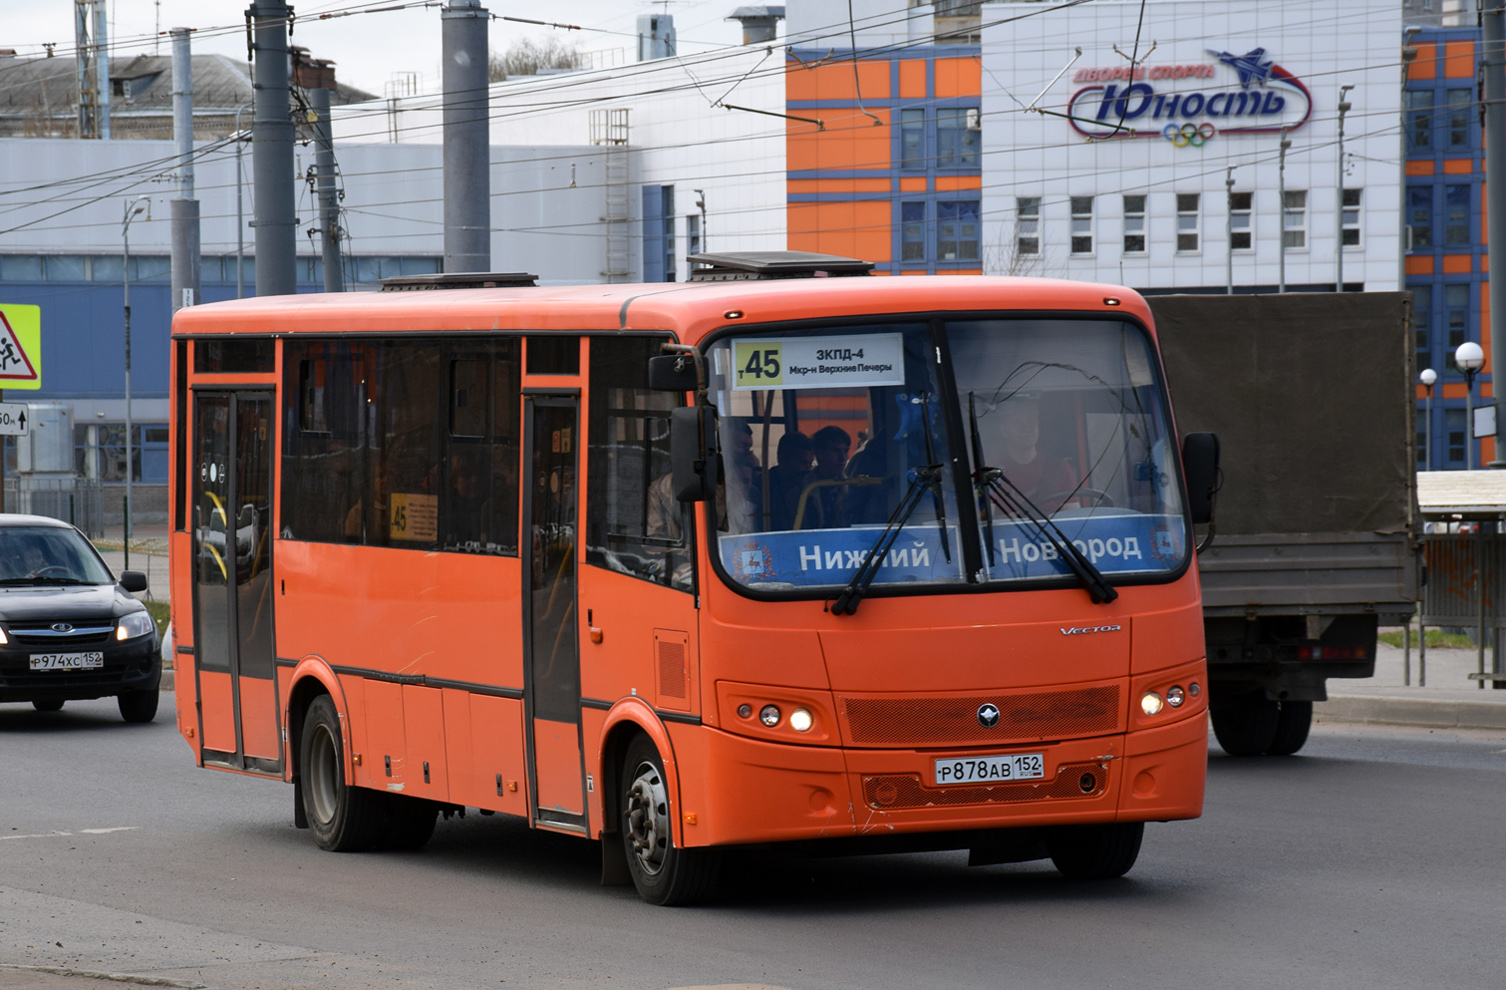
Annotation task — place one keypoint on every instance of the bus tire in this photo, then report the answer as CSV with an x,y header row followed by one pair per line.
x,y
1095,852
342,818
1293,722
1245,726
663,873
410,822
138,706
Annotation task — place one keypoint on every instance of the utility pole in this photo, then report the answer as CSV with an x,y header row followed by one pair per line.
x,y
1338,213
1493,65
184,211
324,188
467,138
272,150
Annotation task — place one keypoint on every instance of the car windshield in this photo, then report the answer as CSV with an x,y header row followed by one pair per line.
x,y
1065,420
48,555
838,447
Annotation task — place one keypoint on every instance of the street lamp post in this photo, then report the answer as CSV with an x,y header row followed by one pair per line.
x,y
133,209
1428,377
1286,143
1229,230
1470,358
1338,253
240,216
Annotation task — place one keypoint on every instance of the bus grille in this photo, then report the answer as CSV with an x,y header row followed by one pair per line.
x,y
891,792
949,721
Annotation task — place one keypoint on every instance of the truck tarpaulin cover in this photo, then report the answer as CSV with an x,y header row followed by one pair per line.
x,y
1312,398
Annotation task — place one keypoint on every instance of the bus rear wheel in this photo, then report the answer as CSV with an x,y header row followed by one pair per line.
x,y
663,873
342,818
1095,852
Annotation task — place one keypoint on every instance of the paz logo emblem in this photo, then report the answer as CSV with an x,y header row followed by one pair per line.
x,y
988,715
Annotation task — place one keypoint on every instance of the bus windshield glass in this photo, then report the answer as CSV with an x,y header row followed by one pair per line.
x,y
828,437
1068,438
838,446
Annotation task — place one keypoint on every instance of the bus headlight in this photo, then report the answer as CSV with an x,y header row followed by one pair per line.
x,y
769,715
1175,696
801,721
1151,703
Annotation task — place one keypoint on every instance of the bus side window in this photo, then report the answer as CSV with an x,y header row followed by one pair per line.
x,y
633,523
323,472
478,475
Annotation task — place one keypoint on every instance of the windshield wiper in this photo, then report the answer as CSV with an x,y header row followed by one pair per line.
x,y
39,579
1008,497
923,478
982,497
926,476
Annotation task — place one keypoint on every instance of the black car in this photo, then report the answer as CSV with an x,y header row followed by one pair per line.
x,y
68,630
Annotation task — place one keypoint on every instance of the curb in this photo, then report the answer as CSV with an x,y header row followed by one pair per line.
x,y
167,681
1430,713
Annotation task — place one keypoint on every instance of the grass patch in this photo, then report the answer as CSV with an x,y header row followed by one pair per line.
x,y
159,612
1437,638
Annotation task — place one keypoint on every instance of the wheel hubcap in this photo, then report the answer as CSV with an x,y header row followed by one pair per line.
x,y
324,776
647,818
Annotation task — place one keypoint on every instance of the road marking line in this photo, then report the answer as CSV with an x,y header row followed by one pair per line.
x,y
61,834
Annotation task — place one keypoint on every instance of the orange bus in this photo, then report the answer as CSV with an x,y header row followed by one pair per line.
x,y
765,557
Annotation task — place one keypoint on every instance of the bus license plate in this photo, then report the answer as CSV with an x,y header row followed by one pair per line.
x,y
67,661
990,769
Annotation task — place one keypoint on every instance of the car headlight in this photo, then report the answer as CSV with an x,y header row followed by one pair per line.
x,y
134,624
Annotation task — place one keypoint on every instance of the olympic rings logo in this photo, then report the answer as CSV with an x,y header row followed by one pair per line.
x,y
1194,134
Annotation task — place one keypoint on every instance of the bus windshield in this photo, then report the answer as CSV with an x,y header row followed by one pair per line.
x,y
838,446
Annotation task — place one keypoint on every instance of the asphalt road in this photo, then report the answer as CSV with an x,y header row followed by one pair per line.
x,y
1372,860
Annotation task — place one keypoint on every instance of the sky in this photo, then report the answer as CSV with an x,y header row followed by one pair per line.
x,y
367,48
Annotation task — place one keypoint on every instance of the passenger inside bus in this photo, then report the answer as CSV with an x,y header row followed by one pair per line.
x,y
1046,479
830,492
788,478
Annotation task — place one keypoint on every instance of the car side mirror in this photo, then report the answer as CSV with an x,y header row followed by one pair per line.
x,y
1200,454
693,464
133,581
672,373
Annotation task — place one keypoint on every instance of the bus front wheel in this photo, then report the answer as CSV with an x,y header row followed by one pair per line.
x,y
663,873
342,818
1095,852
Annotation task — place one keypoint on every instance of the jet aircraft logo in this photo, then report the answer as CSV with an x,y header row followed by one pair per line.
x,y
1251,66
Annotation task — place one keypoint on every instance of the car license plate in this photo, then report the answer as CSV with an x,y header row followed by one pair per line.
x,y
67,661
990,769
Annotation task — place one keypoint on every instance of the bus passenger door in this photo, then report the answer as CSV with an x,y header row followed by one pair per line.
x,y
232,505
551,663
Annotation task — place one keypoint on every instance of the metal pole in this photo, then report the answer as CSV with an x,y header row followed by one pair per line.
x,y
240,215
1493,67
185,209
102,71
1469,420
1480,603
1286,143
132,208
272,151
1338,248
1427,440
1228,229
467,151
324,172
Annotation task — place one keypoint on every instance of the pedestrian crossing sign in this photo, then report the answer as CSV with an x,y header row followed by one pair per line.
x,y
20,346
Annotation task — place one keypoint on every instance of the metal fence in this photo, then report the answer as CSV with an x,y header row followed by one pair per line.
x,y
1466,589
79,501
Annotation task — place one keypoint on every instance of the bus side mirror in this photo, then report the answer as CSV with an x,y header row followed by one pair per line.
x,y
1200,465
694,467
672,373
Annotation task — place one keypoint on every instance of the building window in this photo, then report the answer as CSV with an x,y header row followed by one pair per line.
x,y
1419,105
1459,103
1456,216
912,227
1351,224
1419,217
1134,224
1241,210
693,233
1456,315
1422,312
957,231
1027,226
1294,220
1453,423
659,234
1188,221
957,137
912,139
1082,224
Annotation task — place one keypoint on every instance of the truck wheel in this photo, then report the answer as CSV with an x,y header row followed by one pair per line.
x,y
342,818
1095,852
663,873
1246,725
1292,724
